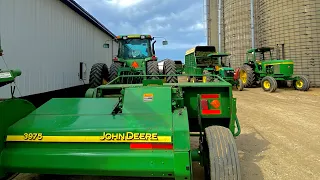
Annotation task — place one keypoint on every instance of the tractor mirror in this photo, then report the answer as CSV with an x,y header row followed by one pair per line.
x,y
164,43
105,45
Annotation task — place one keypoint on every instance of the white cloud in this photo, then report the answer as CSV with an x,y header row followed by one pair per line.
x,y
123,3
173,45
194,27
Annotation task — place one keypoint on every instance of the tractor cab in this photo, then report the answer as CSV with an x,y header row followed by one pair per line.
x,y
222,66
136,47
256,56
259,54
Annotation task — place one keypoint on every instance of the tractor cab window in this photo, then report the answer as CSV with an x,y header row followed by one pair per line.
x,y
134,49
250,56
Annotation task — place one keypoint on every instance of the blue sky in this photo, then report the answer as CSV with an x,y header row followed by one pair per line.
x,y
181,22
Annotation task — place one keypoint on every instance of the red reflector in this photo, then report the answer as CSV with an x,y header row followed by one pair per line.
x,y
154,58
115,59
207,96
215,111
204,104
150,146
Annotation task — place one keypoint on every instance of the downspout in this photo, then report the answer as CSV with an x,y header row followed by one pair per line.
x,y
219,25
252,25
112,49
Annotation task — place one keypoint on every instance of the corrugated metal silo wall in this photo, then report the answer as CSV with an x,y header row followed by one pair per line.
x,y
237,29
212,22
296,24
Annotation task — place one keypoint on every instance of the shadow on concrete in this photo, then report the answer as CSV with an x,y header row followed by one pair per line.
x,y
250,148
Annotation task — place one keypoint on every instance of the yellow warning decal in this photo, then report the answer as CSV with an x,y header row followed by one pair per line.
x,y
106,137
147,97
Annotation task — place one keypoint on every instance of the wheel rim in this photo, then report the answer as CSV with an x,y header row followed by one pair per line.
x,y
204,79
266,84
104,82
299,84
243,76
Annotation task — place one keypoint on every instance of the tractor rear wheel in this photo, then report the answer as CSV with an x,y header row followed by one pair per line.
x,y
153,69
302,83
99,74
169,68
114,68
221,154
247,75
269,84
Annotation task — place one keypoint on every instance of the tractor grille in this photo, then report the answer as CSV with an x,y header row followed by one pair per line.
x,y
228,73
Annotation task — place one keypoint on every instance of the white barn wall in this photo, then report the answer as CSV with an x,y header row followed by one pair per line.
x,y
47,40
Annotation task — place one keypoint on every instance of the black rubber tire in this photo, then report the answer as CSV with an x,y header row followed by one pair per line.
x,y
223,158
153,69
98,73
208,78
114,70
250,75
9,176
169,68
273,84
189,78
306,84
240,85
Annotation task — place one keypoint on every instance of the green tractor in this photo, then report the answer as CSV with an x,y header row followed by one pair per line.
x,y
261,69
136,56
205,61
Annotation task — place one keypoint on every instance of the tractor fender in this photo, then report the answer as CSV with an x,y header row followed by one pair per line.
x,y
236,74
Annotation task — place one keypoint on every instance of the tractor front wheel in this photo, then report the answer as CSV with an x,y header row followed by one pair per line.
x,y
153,69
301,83
169,68
99,74
221,154
207,76
239,85
247,75
269,84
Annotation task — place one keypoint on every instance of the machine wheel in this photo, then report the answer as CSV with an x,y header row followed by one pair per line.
x,y
98,75
240,85
247,75
269,84
207,78
114,70
169,68
153,69
188,78
301,84
222,154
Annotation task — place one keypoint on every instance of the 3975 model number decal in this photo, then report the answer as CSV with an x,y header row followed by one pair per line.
x,y
32,136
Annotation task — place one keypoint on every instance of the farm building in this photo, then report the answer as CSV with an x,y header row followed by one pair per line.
x,y
49,41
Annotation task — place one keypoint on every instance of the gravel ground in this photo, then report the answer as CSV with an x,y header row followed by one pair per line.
x,y
279,139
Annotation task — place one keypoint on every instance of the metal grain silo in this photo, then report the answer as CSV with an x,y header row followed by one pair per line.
x,y
237,29
293,25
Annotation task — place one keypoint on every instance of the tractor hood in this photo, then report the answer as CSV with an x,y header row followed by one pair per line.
x,y
91,120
